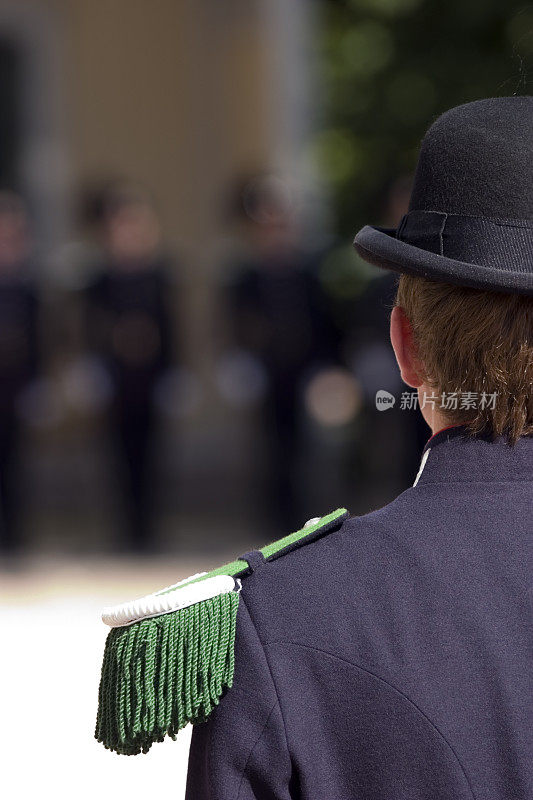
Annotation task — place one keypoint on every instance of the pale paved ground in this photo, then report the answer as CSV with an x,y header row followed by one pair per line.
x,y
49,671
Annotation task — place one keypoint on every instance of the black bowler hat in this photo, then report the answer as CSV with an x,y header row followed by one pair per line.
x,y
470,219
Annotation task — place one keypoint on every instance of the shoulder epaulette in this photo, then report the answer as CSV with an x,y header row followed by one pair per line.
x,y
170,655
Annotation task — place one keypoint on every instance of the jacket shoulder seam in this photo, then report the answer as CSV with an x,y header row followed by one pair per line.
x,y
269,667
387,683
252,749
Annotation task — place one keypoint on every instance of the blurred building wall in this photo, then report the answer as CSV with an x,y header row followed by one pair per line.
x,y
166,92
172,94
185,97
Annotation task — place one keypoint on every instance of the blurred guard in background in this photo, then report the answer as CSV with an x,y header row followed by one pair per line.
x,y
279,316
129,327
19,353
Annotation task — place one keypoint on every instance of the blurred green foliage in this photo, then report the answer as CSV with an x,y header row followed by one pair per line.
x,y
390,67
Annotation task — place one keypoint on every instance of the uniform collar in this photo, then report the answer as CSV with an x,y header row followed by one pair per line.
x,y
453,454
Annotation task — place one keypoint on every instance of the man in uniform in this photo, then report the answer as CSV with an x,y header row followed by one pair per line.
x,y
129,327
389,656
280,317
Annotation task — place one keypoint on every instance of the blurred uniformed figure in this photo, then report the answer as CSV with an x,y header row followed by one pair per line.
x,y
130,329
279,316
19,353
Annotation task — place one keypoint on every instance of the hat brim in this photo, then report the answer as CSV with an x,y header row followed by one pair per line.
x,y
379,246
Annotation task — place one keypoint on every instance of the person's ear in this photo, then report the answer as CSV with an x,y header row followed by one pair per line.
x,y
401,335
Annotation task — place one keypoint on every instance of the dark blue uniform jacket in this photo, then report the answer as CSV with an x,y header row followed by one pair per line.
x,y
392,658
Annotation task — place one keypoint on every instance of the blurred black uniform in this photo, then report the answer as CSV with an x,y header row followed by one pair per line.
x,y
279,314
130,328
19,358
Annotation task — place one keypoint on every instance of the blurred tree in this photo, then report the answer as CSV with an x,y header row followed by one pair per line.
x,y
389,67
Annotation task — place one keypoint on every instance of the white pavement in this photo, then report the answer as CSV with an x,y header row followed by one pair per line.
x,y
53,641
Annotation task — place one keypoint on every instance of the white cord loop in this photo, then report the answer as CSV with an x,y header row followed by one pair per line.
x,y
182,595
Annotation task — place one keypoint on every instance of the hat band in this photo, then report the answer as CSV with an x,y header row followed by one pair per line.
x,y
500,244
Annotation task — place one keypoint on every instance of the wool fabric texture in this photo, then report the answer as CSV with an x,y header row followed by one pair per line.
x,y
391,659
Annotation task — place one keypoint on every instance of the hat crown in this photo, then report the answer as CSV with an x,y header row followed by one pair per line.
x,y
477,159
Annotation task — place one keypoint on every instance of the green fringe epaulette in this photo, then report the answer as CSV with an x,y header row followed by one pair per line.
x,y
170,655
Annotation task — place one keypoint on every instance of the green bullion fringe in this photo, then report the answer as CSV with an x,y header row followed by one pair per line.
x,y
160,674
